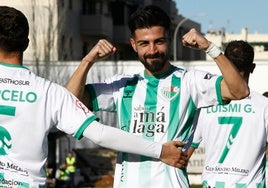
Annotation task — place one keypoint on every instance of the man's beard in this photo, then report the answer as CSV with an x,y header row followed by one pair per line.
x,y
156,65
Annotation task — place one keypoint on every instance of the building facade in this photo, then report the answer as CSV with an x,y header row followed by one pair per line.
x,y
66,30
257,40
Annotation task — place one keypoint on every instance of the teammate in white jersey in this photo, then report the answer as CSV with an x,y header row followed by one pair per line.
x,y
235,135
30,106
159,103
266,170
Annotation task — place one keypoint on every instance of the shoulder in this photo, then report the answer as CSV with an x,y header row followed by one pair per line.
x,y
258,98
255,94
120,79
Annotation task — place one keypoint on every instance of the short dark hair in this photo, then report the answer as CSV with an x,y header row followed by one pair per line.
x,y
148,16
241,54
14,30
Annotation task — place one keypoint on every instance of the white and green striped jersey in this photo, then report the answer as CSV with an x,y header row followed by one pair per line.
x,y
29,107
156,108
234,138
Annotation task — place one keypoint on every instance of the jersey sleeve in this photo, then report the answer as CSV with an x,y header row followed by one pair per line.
x,y
68,113
104,95
204,88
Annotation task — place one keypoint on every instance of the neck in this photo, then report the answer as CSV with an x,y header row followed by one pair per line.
x,y
14,58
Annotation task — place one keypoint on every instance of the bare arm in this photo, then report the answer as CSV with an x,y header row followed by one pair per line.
x,y
76,83
233,86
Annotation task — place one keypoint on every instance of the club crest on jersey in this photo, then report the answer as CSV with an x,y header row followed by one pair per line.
x,y
170,92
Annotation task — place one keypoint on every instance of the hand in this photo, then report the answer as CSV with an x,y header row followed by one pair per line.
x,y
172,155
194,39
101,50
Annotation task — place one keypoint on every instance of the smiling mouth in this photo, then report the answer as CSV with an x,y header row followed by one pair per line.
x,y
153,58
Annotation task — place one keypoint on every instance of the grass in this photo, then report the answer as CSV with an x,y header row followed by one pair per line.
x,y
195,186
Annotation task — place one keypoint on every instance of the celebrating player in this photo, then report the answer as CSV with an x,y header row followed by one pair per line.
x,y
159,103
234,135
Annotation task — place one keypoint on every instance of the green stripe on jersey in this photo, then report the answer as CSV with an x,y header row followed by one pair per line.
x,y
93,96
125,116
174,110
220,185
126,104
218,89
150,101
7,110
79,133
260,185
188,126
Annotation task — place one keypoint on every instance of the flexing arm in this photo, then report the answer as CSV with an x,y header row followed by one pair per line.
x,y
119,140
76,83
233,86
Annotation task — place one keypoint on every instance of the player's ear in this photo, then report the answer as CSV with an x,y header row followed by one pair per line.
x,y
133,44
252,67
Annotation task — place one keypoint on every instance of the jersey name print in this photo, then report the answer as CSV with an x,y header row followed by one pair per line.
x,y
223,129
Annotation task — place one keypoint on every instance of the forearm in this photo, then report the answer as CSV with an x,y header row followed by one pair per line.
x,y
119,140
76,84
233,85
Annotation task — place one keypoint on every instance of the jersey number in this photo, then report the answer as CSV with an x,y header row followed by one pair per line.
x,y
7,110
236,123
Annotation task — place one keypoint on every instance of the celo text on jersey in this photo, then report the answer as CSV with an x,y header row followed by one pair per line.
x,y
17,96
14,82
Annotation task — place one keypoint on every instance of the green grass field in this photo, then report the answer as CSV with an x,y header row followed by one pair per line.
x,y
196,186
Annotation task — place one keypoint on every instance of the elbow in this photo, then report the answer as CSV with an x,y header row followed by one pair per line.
x,y
98,142
94,133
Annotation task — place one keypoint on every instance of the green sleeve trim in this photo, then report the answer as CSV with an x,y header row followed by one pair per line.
x,y
218,89
194,145
79,134
93,97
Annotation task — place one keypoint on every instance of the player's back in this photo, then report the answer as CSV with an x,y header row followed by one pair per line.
x,y
22,118
29,107
234,138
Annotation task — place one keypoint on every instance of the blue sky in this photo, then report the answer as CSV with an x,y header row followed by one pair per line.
x,y
233,15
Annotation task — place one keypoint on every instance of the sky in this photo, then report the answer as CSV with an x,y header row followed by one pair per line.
x,y
233,15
